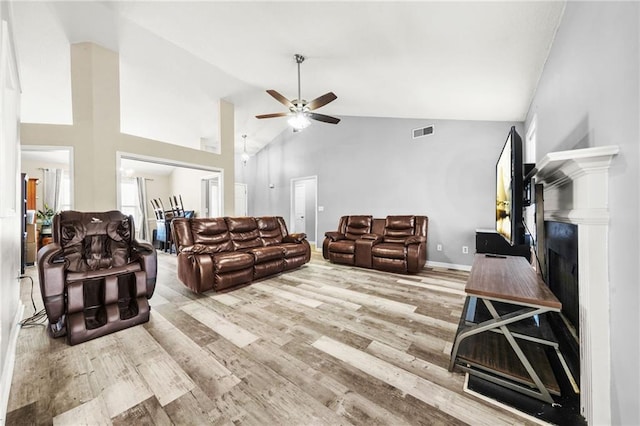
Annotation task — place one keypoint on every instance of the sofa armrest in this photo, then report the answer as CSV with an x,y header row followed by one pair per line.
x,y
196,271
334,236
373,237
295,238
416,239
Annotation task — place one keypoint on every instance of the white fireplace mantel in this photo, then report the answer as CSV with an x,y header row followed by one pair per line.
x,y
576,190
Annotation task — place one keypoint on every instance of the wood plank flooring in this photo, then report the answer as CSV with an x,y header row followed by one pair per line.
x,y
321,345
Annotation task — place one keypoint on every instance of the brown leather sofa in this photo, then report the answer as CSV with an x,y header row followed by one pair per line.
x,y
394,244
95,278
219,253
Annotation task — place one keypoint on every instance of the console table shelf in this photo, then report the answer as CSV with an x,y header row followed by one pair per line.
x,y
491,353
503,336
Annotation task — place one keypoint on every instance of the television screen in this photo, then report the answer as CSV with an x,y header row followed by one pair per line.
x,y
509,190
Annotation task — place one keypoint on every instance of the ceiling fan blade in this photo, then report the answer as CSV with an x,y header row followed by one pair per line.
x,y
278,97
324,118
275,114
321,101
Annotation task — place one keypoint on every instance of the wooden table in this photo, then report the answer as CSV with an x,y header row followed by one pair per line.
x,y
503,339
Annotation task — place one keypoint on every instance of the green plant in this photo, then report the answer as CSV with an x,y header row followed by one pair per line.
x,y
46,214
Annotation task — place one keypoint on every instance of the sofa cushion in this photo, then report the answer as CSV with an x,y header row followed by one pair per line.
x,y
232,261
358,226
398,228
212,233
244,232
263,254
389,250
269,230
342,246
294,249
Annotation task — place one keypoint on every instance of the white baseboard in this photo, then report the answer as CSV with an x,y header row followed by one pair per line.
x,y
9,363
448,266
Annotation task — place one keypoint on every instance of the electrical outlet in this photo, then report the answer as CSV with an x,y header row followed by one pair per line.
x,y
465,249
439,247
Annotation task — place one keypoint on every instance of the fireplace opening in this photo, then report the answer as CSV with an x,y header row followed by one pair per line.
x,y
561,241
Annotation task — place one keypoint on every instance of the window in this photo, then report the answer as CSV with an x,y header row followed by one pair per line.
x,y
65,192
530,157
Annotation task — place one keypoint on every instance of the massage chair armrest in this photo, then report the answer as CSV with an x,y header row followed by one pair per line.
x,y
335,236
52,273
295,238
144,253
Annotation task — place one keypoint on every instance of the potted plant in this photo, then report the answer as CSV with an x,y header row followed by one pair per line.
x,y
45,216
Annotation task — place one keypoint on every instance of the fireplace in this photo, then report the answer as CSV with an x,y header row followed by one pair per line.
x,y
561,242
576,185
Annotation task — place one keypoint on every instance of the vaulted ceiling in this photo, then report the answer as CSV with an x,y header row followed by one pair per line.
x,y
434,60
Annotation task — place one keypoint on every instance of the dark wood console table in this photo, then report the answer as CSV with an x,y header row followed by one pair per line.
x,y
503,338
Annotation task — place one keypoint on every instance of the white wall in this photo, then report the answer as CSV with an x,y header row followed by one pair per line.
x,y
188,184
96,138
10,209
373,166
589,95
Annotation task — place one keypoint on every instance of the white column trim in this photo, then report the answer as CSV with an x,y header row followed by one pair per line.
x,y
576,190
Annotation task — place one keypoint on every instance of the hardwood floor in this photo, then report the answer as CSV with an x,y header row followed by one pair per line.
x,y
321,345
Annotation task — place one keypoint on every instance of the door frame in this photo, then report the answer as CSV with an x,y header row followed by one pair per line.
x,y
149,159
314,178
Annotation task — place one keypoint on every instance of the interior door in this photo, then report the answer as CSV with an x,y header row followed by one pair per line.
x,y
211,197
299,206
241,208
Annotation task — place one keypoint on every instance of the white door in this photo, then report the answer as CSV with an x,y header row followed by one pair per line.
x,y
299,206
241,207
211,197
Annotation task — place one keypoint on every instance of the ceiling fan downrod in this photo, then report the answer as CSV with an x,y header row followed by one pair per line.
x,y
299,59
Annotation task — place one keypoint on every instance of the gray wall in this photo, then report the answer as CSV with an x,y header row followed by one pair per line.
x,y
373,166
589,96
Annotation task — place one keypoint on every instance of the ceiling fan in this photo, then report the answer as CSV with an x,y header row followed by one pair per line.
x,y
300,111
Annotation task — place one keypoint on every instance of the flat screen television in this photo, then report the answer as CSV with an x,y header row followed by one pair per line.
x,y
509,190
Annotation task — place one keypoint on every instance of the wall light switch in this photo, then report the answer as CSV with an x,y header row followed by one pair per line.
x,y
320,208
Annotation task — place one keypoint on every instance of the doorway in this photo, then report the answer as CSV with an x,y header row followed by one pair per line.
x,y
52,166
304,205
165,179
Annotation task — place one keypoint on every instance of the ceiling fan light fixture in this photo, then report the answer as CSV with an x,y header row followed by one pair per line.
x,y
299,121
300,111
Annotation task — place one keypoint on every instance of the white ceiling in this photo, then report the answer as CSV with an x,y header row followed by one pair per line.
x,y
436,60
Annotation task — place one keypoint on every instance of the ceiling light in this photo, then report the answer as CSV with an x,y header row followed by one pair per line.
x,y
299,121
245,156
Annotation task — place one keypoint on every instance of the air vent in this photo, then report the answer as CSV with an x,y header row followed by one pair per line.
x,y
423,131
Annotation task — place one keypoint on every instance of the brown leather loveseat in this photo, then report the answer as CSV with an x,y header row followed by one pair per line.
x,y
219,253
394,244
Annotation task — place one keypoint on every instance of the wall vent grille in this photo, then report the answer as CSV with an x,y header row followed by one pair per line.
x,y
422,131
